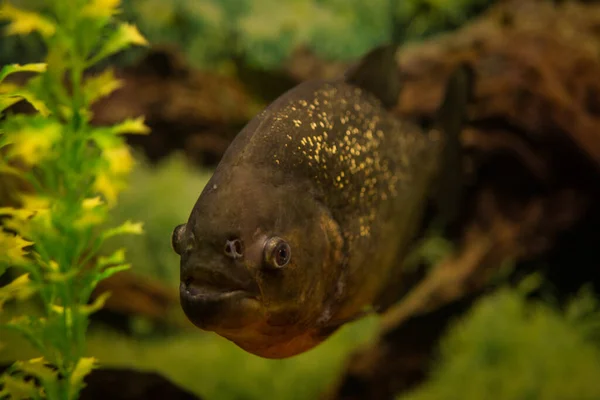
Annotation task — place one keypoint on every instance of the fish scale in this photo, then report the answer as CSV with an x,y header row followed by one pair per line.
x,y
350,153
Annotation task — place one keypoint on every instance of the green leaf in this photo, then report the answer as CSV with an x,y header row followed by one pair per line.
x,y
66,313
39,368
93,212
108,266
18,388
58,61
18,213
7,169
23,22
56,276
30,327
20,288
7,101
32,99
110,271
118,257
103,274
96,305
104,138
124,36
32,137
27,325
84,366
12,68
131,126
100,8
12,249
6,88
101,85
127,227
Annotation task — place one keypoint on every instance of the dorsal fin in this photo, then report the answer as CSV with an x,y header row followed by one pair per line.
x,y
377,73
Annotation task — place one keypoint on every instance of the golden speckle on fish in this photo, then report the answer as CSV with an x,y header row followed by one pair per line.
x,y
357,155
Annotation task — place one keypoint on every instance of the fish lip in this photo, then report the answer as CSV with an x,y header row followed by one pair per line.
x,y
204,288
213,309
217,296
197,293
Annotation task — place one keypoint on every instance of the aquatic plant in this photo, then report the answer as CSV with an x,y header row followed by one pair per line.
x,y
150,197
512,347
73,172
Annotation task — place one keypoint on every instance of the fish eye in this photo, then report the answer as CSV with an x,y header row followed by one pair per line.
x,y
277,252
176,238
234,248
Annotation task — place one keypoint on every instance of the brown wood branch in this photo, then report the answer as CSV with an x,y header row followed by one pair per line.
x,y
448,281
532,148
399,359
135,295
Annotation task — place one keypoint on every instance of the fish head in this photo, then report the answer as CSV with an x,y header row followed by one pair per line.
x,y
259,260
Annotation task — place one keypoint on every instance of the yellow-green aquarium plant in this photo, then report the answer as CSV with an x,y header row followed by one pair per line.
x,y
76,171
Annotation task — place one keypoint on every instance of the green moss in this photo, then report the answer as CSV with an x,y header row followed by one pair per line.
x,y
507,348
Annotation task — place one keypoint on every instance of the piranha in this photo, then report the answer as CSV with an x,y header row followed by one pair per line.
x,y
308,217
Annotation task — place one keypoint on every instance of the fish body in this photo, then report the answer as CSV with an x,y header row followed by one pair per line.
x,y
308,216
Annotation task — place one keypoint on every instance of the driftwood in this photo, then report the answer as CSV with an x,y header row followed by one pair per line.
x,y
133,295
533,152
195,111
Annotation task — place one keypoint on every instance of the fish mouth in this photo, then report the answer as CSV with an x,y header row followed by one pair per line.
x,y
214,301
205,295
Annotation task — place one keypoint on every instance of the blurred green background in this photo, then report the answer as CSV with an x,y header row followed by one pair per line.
x,y
263,33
